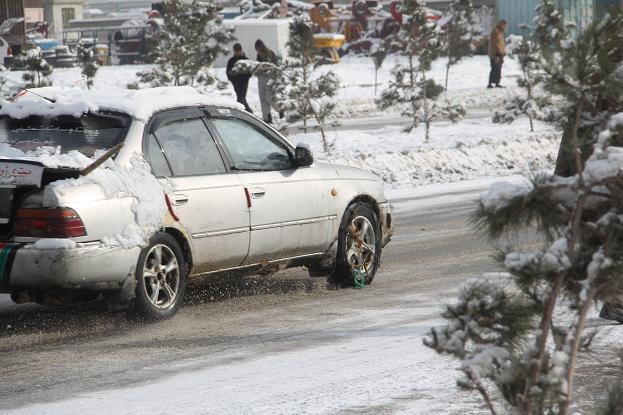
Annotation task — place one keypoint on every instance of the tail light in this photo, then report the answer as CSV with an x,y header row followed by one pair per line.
x,y
9,52
48,223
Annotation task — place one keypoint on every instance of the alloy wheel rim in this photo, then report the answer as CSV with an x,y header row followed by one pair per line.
x,y
361,245
161,276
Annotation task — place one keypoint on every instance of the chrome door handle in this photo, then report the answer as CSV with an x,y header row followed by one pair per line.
x,y
257,192
180,200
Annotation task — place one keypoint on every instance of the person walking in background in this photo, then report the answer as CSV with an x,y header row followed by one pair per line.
x,y
264,55
240,81
497,52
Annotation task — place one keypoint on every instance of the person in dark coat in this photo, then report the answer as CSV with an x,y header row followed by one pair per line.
x,y
265,55
240,81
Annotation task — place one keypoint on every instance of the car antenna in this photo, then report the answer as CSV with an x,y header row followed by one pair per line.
x,y
24,91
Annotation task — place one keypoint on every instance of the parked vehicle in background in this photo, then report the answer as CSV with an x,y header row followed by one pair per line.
x,y
11,34
216,192
6,52
61,57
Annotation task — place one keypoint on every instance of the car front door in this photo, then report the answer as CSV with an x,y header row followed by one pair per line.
x,y
287,204
209,202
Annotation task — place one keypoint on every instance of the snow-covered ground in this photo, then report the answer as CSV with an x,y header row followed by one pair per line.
x,y
370,362
467,82
382,366
473,148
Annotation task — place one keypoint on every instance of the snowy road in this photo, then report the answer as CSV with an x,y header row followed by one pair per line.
x,y
369,122
264,345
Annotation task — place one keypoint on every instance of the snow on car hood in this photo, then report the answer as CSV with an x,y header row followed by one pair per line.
x,y
139,104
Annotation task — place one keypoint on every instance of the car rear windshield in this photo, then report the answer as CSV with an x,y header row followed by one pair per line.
x,y
86,134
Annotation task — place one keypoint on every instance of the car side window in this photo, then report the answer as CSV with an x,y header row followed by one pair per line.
x,y
159,165
189,148
250,148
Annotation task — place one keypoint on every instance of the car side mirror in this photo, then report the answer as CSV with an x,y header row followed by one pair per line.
x,y
303,156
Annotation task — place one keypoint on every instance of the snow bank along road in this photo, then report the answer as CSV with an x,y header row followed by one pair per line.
x,y
280,344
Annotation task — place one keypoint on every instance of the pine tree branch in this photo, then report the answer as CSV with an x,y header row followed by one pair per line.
x,y
481,389
536,365
577,337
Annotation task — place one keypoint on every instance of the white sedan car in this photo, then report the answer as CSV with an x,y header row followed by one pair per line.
x,y
223,193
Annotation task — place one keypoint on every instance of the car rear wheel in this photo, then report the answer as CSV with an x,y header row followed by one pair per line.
x,y
161,278
359,246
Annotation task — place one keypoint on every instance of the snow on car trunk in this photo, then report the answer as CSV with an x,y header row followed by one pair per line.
x,y
135,181
59,139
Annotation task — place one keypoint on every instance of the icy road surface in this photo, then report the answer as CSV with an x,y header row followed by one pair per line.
x,y
272,345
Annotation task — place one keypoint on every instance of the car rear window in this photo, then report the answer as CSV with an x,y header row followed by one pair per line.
x,y
85,134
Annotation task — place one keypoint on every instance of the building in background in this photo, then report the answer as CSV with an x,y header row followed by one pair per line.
x,y
33,13
58,14
114,6
16,38
13,9
580,12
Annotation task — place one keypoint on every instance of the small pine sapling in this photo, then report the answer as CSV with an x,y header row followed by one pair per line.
x,y
550,31
458,30
192,38
88,63
531,103
38,70
378,53
417,39
514,349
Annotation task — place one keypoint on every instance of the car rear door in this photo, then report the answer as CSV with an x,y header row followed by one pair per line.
x,y
209,202
288,207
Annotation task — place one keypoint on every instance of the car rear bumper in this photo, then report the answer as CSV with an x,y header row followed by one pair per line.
x,y
88,266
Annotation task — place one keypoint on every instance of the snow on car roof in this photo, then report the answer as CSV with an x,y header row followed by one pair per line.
x,y
139,104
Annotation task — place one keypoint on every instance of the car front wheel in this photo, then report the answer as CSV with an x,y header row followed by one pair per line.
x,y
161,278
359,246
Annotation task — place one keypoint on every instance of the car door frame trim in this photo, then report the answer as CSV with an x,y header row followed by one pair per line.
x,y
219,233
293,223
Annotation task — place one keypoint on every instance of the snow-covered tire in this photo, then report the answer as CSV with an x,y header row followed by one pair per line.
x,y
160,278
359,220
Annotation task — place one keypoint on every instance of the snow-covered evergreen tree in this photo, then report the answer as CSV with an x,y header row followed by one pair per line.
x,y
551,44
458,29
299,90
192,37
513,348
38,70
532,103
550,30
418,40
88,63
378,52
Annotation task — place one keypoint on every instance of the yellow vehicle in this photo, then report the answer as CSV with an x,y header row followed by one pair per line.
x,y
101,52
328,44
